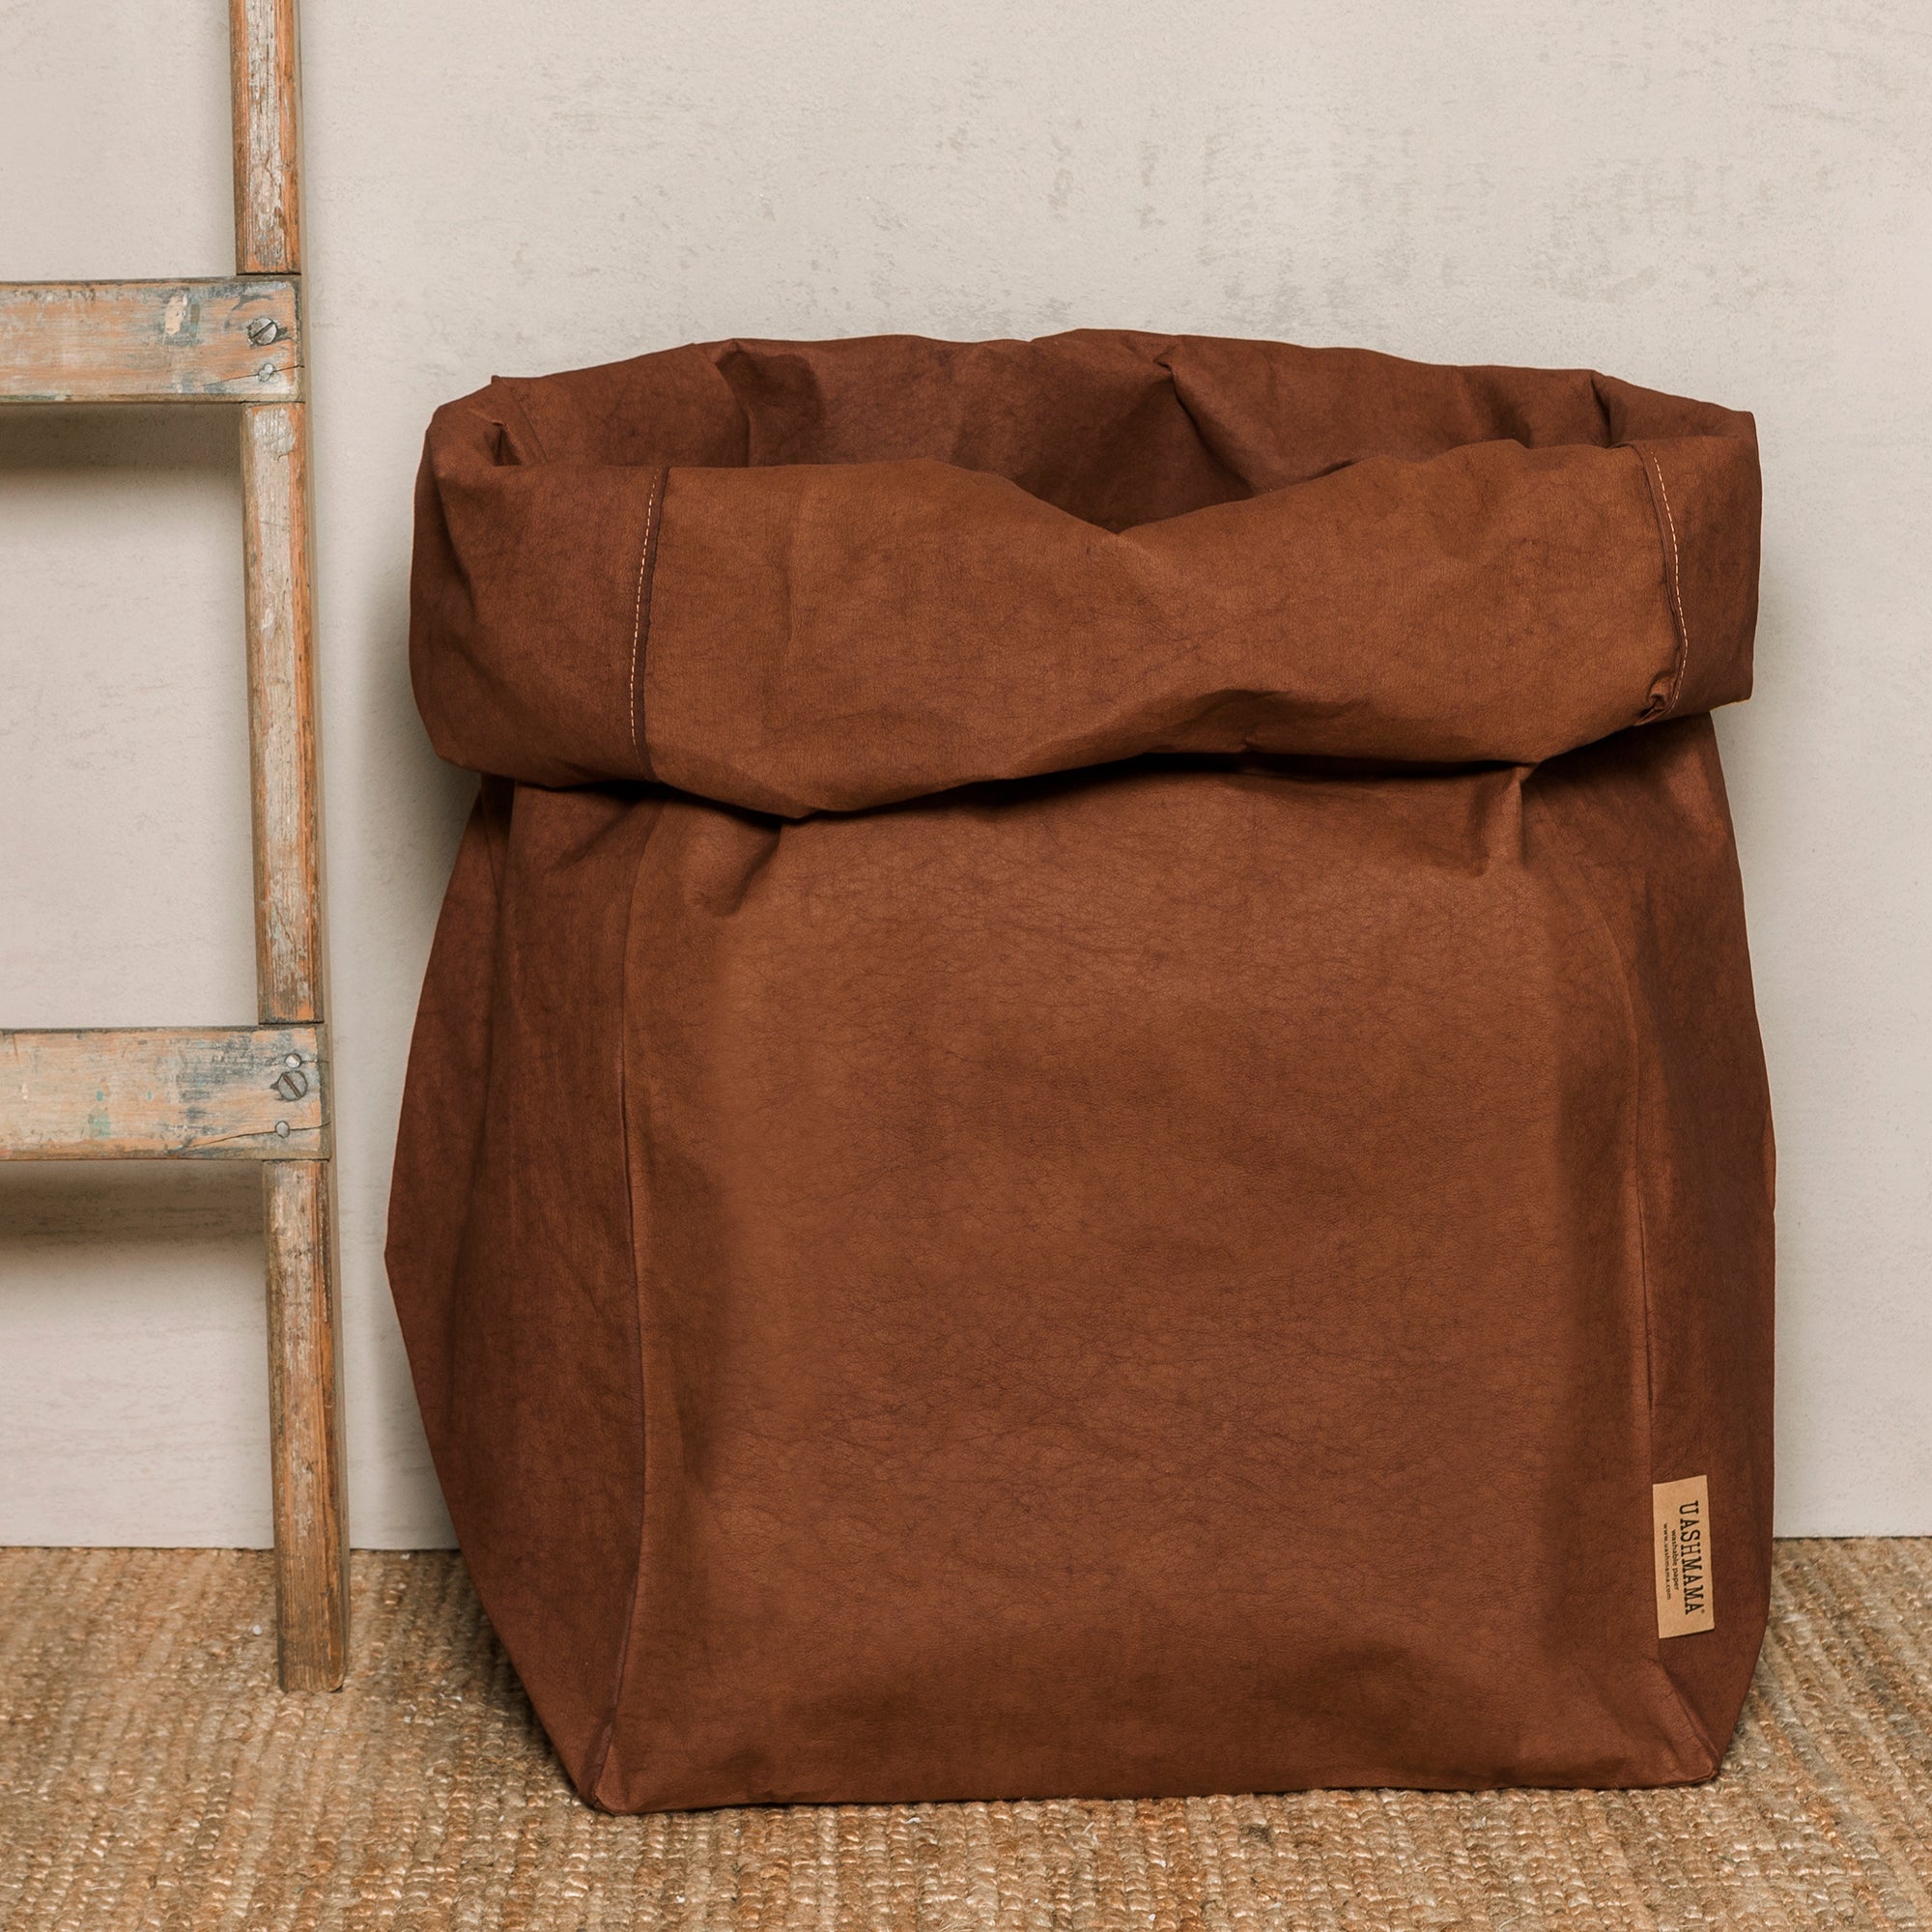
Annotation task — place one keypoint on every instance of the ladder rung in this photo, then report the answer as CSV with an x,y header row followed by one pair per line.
x,y
133,1092
231,341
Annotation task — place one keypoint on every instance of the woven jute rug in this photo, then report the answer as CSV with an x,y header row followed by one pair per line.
x,y
150,1777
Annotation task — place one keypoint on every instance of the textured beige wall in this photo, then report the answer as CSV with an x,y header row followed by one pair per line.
x,y
1731,200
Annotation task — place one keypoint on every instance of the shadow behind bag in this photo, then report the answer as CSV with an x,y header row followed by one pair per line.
x,y
1087,1117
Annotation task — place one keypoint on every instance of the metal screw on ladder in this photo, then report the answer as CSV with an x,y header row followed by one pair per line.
x,y
264,330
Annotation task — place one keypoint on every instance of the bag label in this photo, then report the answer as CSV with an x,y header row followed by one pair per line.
x,y
1681,1542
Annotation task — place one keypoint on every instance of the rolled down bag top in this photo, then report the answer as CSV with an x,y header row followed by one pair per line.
x,y
1087,1117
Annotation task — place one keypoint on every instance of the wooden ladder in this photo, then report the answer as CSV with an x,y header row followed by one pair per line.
x,y
229,1093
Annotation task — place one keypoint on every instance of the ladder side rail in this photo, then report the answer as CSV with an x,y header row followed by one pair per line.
x,y
311,1541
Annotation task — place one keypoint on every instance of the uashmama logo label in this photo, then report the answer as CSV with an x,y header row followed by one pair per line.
x,y
1681,1542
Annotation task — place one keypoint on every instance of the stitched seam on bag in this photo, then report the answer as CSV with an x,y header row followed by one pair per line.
x,y
1676,581
1673,576
607,1738
1625,978
637,617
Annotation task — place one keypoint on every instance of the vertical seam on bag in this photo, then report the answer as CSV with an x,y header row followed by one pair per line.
x,y
607,1738
637,613
1673,573
1560,842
